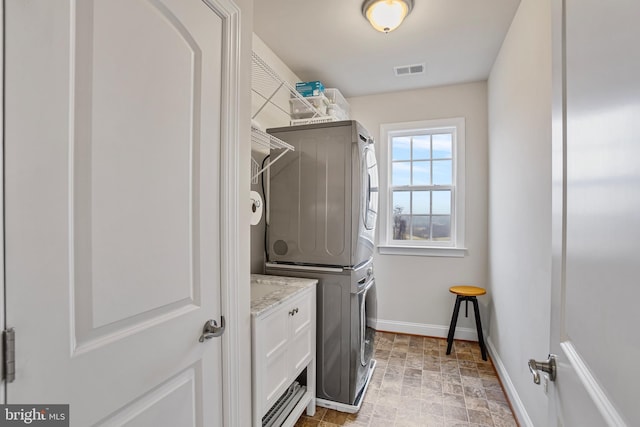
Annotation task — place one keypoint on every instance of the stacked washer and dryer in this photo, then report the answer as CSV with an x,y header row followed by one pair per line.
x,y
322,216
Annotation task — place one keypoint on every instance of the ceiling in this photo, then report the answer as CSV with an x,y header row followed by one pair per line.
x,y
331,41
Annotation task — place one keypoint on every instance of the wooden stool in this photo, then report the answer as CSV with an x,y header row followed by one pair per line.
x,y
466,294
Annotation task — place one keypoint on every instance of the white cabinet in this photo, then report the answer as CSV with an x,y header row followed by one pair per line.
x,y
284,345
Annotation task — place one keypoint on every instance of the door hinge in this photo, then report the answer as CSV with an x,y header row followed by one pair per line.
x,y
9,346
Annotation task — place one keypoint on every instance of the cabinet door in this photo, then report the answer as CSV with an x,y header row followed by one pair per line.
x,y
274,335
302,336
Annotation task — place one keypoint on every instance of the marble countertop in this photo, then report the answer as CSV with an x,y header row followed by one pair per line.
x,y
269,291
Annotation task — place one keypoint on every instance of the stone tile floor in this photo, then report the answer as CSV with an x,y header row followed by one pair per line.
x,y
416,384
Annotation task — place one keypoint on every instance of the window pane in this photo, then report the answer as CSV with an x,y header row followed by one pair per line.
x,y
421,173
401,148
442,172
422,147
421,203
401,173
441,201
401,202
420,228
441,228
442,144
401,227
422,184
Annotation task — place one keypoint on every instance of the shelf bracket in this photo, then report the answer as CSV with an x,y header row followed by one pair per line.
x,y
271,142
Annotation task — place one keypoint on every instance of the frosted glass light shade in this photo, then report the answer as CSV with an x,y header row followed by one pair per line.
x,y
386,15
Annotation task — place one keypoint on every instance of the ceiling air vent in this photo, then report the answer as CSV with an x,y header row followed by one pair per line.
x,y
408,70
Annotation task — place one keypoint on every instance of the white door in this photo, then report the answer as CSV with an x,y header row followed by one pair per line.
x,y
596,196
113,122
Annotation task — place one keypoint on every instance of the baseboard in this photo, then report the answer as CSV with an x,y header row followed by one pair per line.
x,y
467,334
516,404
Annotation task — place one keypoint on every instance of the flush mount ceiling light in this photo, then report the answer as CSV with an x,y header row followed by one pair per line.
x,y
386,15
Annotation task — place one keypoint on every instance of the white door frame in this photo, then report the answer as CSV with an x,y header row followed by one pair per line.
x,y
230,207
2,291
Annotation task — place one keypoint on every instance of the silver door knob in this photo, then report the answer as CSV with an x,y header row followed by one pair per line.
x,y
212,330
548,366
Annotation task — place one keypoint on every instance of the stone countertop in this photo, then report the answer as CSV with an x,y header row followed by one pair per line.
x,y
278,290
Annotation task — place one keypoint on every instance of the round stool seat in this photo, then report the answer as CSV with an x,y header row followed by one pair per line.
x,y
467,291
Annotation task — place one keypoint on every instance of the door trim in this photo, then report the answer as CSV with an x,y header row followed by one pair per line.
x,y
232,392
2,282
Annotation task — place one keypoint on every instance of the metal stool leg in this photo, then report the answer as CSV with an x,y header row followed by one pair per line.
x,y
483,349
454,320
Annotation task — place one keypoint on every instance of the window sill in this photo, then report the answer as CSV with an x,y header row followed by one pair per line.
x,y
422,251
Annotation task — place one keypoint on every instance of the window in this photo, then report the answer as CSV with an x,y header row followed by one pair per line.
x,y
422,183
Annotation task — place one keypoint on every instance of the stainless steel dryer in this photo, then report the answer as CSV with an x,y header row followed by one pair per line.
x,y
323,197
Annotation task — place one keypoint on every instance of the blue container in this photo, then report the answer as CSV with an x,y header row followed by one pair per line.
x,y
310,88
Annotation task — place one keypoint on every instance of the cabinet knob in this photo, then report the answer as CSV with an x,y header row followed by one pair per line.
x,y
293,312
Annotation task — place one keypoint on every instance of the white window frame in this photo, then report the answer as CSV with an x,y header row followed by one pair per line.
x,y
453,248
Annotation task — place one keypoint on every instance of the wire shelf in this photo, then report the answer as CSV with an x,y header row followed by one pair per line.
x,y
270,142
315,120
266,83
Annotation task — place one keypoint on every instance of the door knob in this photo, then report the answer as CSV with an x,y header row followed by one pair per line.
x,y
211,329
548,366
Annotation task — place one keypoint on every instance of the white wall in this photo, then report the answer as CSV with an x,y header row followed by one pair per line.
x,y
413,291
519,93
